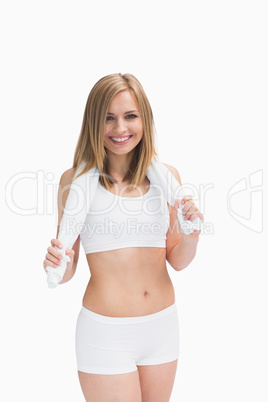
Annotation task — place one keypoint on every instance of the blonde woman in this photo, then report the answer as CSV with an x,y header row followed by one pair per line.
x,y
127,332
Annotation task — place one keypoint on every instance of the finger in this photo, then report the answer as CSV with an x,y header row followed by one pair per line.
x,y
187,207
201,216
52,258
69,252
56,242
49,263
54,252
176,203
186,198
190,211
195,215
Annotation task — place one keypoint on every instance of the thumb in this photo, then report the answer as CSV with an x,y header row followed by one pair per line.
x,y
70,253
177,203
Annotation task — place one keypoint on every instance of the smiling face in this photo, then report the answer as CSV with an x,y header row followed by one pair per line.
x,y
123,127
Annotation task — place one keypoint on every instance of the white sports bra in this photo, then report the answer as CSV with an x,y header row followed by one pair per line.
x,y
115,222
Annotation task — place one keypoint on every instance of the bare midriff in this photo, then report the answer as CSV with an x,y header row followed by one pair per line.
x,y
128,282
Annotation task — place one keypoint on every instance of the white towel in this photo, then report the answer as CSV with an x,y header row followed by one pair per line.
x,y
81,195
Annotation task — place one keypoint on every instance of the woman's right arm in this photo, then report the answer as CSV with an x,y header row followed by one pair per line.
x,y
53,256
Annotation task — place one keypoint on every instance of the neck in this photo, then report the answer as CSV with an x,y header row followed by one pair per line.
x,y
118,164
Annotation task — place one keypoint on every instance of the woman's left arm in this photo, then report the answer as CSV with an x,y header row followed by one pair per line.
x,y
181,248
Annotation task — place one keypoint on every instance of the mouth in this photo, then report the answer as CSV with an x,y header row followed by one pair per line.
x,y
121,140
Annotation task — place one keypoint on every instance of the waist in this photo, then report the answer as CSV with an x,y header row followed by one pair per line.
x,y
116,299
171,309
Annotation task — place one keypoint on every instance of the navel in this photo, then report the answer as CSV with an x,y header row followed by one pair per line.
x,y
146,293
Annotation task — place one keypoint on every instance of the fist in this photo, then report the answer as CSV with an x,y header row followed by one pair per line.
x,y
189,211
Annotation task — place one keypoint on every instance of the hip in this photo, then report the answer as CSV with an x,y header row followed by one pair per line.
x,y
114,345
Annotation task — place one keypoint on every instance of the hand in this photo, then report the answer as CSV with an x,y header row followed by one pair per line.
x,y
53,256
190,212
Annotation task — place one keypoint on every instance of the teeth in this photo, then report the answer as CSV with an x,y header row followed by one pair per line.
x,y
121,139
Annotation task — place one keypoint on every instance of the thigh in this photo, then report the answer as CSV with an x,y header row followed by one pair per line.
x,y
111,388
156,381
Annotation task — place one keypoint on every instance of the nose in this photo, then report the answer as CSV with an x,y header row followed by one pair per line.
x,y
120,126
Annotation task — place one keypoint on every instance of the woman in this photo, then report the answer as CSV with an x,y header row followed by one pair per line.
x,y
127,333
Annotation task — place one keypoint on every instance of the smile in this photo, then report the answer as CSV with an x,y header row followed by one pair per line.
x,y
120,140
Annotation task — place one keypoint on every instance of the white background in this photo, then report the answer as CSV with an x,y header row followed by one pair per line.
x,y
203,65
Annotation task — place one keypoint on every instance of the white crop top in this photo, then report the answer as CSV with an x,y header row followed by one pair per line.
x,y
115,222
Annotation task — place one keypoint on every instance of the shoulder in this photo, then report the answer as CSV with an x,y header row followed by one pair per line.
x,y
174,171
64,188
67,177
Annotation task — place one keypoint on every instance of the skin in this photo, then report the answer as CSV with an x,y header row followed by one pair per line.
x,y
131,281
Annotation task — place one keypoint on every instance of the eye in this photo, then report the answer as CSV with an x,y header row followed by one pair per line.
x,y
132,116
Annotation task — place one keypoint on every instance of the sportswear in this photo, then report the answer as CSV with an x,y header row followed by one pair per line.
x,y
117,345
115,222
81,196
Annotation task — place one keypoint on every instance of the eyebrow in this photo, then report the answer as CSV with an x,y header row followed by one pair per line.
x,y
130,111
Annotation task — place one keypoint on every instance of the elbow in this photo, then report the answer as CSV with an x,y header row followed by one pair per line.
x,y
180,268
177,267
183,265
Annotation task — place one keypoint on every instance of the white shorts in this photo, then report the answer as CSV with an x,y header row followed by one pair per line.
x,y
116,345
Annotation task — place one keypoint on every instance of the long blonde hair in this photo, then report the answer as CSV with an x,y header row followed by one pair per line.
x,y
90,150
